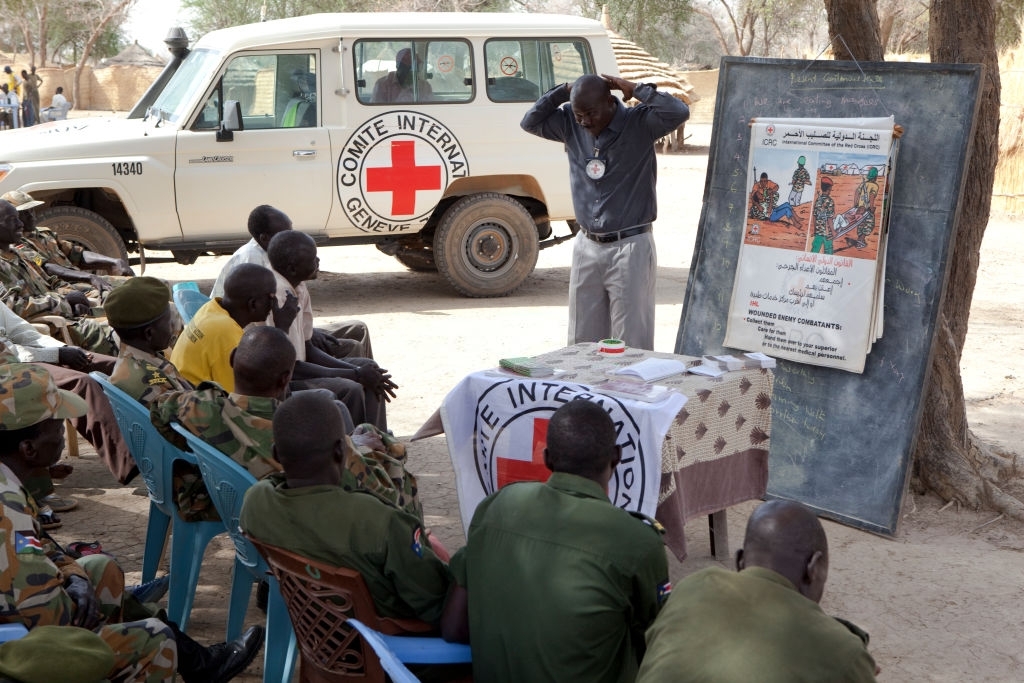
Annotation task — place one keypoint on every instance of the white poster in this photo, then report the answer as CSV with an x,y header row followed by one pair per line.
x,y
808,276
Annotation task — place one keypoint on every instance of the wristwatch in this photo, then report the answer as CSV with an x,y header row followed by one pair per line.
x,y
652,86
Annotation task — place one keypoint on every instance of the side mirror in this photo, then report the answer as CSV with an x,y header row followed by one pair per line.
x,y
231,122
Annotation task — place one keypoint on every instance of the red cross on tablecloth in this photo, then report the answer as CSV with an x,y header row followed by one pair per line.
x,y
510,470
403,178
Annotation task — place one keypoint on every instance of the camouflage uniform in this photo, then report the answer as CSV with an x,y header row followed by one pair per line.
x,y
26,290
241,428
801,179
43,246
824,210
33,571
145,376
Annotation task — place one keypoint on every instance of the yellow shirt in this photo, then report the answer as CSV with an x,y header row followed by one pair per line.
x,y
203,350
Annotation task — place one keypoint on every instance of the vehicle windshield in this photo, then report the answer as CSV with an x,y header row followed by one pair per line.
x,y
180,92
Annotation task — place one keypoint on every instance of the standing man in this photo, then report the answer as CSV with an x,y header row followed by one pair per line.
x,y
612,174
761,622
824,210
555,583
801,179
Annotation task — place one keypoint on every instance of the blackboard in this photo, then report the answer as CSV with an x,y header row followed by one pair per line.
x,y
842,442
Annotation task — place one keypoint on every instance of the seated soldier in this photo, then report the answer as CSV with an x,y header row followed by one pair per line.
x,y
40,586
28,292
239,424
555,583
762,622
348,338
402,85
69,365
140,313
359,383
203,350
311,514
64,261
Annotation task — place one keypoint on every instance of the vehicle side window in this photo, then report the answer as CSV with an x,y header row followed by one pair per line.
x,y
275,91
413,71
520,70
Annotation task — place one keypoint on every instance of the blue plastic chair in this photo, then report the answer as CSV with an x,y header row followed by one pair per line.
x,y
187,299
154,456
14,631
394,652
227,481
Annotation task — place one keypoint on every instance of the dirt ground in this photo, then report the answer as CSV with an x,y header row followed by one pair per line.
x,y
941,600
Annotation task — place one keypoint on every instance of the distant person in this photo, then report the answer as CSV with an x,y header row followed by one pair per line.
x,y
404,84
761,623
311,514
555,583
613,173
59,106
30,83
300,110
13,105
345,339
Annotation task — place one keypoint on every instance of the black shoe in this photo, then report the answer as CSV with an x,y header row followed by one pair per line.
x,y
224,661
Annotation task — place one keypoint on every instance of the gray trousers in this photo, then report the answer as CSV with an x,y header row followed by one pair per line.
x,y
611,290
363,405
353,339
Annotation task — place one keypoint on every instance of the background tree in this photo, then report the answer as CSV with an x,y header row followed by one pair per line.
x,y
766,28
949,459
96,17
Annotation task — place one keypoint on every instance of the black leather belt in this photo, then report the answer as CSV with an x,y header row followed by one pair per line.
x,y
607,237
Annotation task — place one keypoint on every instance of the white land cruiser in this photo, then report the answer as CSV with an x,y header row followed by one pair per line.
x,y
400,130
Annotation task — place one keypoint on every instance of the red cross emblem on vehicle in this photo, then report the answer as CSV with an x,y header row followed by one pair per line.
x,y
403,178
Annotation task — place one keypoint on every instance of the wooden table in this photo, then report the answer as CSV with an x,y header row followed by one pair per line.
x,y
714,452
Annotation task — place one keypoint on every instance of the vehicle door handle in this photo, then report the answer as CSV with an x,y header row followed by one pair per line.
x,y
304,153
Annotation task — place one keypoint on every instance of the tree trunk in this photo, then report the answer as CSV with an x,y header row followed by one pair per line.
x,y
949,459
854,31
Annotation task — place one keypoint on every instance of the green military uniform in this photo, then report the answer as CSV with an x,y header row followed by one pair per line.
x,y
753,625
824,210
145,376
562,584
241,428
26,290
42,246
356,530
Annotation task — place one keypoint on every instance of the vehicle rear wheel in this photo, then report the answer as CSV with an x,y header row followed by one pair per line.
x,y
84,227
486,245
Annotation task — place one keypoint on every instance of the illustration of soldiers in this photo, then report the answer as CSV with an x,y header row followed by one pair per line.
x,y
801,179
824,210
864,199
763,199
868,190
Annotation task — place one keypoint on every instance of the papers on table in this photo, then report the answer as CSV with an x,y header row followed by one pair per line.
x,y
652,369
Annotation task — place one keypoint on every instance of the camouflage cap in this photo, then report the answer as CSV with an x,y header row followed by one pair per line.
x,y
28,396
22,201
137,302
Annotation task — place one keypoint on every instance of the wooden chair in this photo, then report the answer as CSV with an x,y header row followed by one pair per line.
x,y
320,600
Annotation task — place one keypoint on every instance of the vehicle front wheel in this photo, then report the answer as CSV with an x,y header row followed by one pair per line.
x,y
486,245
84,227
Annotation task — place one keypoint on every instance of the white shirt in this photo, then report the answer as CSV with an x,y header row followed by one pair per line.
x,y
250,252
58,101
25,339
301,330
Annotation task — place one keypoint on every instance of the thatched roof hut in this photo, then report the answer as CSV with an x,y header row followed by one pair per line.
x,y
133,55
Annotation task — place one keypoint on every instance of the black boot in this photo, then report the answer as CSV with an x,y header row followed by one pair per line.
x,y
218,663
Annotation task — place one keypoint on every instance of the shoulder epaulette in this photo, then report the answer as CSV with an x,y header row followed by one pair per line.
x,y
649,521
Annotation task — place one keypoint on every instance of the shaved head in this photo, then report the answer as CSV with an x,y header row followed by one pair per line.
x,y
249,280
262,358
265,221
309,435
787,538
293,255
581,440
592,103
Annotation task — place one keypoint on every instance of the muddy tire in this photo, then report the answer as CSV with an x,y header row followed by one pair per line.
x,y
486,245
84,227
